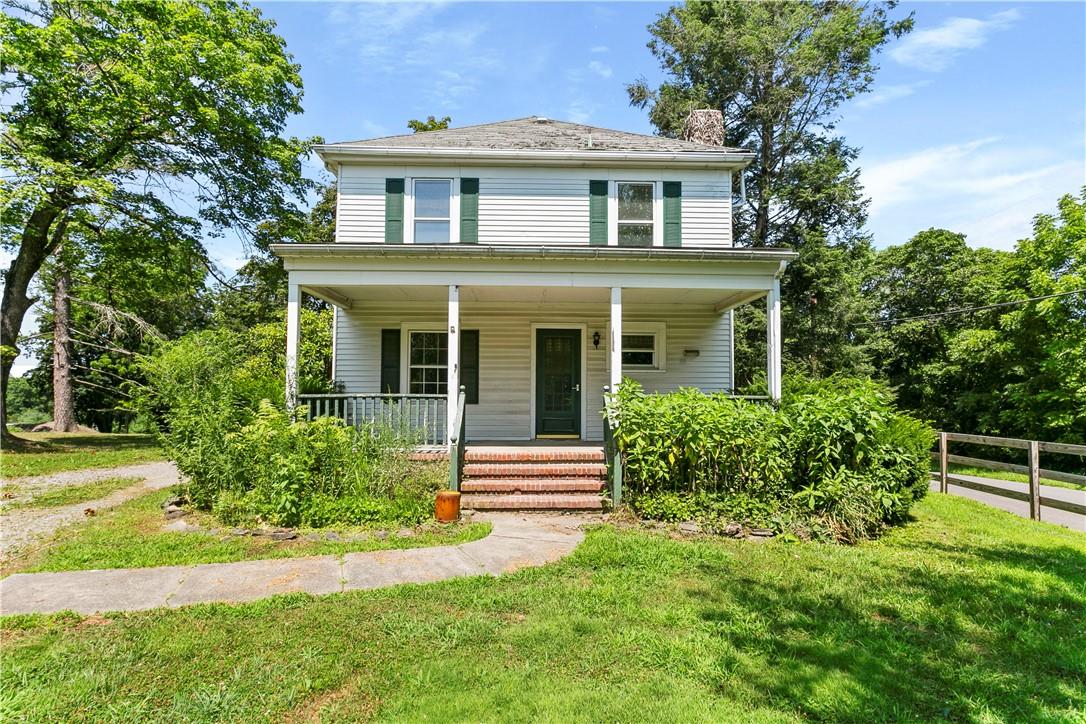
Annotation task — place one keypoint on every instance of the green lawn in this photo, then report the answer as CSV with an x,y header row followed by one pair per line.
x,y
967,613
69,494
49,452
132,536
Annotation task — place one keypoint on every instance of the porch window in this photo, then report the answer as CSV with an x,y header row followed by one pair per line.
x,y
643,348
428,360
635,216
433,210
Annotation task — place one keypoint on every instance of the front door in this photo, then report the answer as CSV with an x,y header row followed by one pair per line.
x,y
558,383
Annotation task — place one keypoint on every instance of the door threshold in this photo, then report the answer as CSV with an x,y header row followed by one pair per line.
x,y
557,437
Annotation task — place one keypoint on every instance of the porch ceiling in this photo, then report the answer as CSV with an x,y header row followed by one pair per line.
x,y
350,295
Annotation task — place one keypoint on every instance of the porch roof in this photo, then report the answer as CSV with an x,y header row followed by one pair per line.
x,y
345,273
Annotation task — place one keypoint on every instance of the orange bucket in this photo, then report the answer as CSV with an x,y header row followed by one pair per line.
x,y
447,508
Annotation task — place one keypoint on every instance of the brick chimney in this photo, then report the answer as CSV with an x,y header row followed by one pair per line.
x,y
704,125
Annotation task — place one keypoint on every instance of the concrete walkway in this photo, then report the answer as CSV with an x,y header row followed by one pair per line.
x,y
1074,521
516,541
23,526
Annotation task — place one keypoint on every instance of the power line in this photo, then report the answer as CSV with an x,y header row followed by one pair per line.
x,y
966,310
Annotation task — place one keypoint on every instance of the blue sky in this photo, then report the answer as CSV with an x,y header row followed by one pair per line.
x,y
977,120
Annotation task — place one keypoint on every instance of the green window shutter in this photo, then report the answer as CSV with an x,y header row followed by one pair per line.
x,y
390,360
469,364
673,213
469,211
393,210
597,213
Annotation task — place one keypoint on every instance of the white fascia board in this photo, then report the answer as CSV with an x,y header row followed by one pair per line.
x,y
342,252
387,154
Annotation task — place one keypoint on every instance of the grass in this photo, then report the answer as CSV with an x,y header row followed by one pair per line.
x,y
56,497
132,536
43,453
967,613
1005,475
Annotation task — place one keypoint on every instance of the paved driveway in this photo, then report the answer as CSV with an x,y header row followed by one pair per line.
x,y
1074,521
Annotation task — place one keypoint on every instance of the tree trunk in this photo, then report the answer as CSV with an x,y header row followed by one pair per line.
x,y
63,394
35,246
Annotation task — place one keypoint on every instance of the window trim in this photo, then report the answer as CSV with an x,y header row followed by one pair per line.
x,y
405,354
658,330
657,209
406,328
409,207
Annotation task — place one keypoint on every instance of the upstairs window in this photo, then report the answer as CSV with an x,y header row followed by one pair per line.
x,y
433,210
635,213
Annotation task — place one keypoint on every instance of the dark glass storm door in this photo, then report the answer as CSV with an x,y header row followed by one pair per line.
x,y
558,383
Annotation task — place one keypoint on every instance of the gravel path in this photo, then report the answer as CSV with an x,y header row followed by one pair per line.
x,y
23,526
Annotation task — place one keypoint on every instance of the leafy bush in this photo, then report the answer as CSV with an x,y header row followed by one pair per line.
x,y
836,458
217,398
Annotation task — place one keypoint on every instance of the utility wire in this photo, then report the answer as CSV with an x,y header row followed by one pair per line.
x,y
966,310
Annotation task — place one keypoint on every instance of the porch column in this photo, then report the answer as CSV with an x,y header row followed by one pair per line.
x,y
293,332
454,356
616,337
773,339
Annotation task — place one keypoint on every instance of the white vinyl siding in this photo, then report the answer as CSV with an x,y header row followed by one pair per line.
x,y
505,343
530,206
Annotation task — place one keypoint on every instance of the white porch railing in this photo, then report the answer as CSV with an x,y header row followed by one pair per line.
x,y
425,415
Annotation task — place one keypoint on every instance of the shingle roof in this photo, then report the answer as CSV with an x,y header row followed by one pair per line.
x,y
537,134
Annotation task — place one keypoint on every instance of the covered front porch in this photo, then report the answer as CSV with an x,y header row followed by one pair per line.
x,y
516,345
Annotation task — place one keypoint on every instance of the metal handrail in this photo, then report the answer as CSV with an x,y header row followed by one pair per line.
x,y
456,440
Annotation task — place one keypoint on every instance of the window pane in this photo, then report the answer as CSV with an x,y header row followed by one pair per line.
x,y
635,202
639,359
432,199
635,234
431,232
638,342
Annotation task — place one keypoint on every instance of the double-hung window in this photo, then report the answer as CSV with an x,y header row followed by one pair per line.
x,y
433,211
635,212
427,363
643,347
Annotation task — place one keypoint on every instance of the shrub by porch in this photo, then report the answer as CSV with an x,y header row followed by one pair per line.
x,y
836,460
218,401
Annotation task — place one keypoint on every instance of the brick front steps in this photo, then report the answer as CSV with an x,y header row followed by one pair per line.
x,y
533,478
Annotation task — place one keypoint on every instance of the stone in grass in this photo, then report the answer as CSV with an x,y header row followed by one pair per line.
x,y
175,502
689,527
283,534
405,533
761,533
733,529
333,536
380,534
240,531
180,526
175,513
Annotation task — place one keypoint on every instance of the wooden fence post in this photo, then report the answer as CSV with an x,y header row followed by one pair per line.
x,y
942,462
1034,480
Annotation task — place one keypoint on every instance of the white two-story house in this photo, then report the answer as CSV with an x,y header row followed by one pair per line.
x,y
532,263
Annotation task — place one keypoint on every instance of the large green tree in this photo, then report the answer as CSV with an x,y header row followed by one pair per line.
x,y
779,72
169,114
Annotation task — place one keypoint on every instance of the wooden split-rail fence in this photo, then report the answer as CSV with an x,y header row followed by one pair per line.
x,y
1032,469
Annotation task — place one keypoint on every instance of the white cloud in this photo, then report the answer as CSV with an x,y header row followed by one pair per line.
x,y
600,69
600,49
933,49
889,93
984,188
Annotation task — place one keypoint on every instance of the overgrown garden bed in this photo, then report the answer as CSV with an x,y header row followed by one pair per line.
x,y
834,461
